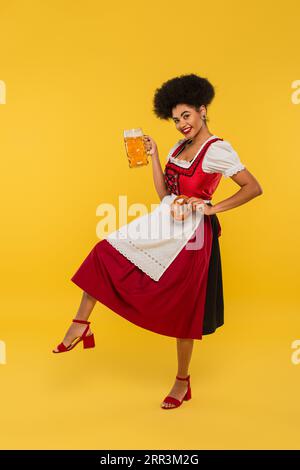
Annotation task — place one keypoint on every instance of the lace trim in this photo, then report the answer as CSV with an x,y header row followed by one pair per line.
x,y
146,253
190,170
234,170
135,262
185,163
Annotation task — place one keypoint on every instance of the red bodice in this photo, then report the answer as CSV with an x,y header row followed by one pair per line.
x,y
192,181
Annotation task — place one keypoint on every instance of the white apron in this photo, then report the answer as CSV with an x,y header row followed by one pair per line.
x,y
153,241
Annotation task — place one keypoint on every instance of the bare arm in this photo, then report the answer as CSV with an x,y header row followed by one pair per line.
x,y
158,177
249,189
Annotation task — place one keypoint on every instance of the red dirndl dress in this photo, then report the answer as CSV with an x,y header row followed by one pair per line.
x,y
187,301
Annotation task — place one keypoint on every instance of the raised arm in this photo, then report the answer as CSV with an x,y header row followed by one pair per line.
x,y
158,175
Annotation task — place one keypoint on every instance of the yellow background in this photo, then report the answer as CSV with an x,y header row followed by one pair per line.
x,y
77,73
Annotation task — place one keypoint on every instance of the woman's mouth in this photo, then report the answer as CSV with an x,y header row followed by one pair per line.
x,y
187,130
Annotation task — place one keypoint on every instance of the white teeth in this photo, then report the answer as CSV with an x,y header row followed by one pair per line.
x,y
187,130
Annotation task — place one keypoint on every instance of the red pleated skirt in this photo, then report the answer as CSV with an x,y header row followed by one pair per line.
x,y
186,302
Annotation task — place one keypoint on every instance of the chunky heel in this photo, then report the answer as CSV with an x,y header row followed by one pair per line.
x,y
174,401
89,341
188,394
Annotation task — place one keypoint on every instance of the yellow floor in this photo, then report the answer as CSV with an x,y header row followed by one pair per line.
x,y
245,388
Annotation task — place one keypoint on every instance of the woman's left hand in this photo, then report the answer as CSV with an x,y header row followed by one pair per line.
x,y
206,209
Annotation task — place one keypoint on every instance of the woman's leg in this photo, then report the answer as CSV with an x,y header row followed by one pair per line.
x,y
85,309
184,355
86,306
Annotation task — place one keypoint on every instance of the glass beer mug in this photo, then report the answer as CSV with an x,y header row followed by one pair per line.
x,y
135,148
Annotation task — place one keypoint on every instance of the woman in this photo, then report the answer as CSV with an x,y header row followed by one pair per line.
x,y
187,300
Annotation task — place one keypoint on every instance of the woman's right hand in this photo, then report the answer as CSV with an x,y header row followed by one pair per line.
x,y
150,144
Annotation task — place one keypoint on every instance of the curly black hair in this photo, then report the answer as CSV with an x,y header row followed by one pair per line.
x,y
186,89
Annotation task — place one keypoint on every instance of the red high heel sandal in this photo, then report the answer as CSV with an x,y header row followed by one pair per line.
x,y
175,401
88,341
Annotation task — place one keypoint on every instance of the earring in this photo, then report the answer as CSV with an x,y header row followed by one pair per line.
x,y
203,118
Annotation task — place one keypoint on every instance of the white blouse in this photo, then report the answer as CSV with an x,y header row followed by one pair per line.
x,y
220,157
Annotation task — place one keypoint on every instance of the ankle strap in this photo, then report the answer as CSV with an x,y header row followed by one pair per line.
x,y
181,378
81,321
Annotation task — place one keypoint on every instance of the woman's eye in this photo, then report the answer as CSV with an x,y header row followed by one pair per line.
x,y
186,116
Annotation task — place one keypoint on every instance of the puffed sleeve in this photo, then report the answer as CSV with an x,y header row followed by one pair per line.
x,y
222,158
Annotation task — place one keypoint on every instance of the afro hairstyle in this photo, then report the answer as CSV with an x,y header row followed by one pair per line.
x,y
185,89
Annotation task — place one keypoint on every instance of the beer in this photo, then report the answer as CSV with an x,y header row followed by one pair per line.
x,y
135,148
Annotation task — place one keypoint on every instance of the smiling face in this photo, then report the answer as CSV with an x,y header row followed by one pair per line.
x,y
188,120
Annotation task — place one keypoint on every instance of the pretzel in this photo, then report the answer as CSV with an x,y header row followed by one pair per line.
x,y
180,208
